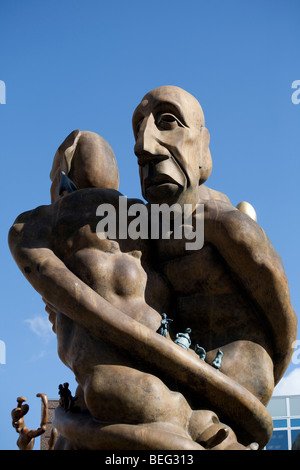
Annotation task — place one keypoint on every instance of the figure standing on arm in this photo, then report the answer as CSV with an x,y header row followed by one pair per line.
x,y
164,327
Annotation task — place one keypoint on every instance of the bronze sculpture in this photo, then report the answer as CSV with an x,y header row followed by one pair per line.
x,y
27,436
106,296
164,326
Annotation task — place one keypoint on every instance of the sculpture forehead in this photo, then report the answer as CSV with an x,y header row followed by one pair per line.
x,y
176,96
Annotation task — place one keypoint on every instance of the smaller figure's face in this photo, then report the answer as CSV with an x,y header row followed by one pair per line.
x,y
167,128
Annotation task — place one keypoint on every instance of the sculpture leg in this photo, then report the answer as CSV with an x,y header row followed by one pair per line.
x,y
84,432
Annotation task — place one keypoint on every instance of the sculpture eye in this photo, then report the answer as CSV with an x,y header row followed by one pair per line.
x,y
167,121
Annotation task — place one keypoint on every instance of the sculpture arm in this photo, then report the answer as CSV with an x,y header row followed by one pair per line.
x,y
258,268
44,419
30,241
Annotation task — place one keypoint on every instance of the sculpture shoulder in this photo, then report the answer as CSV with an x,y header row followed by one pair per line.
x,y
206,193
31,226
227,226
89,199
218,207
40,212
222,203
39,217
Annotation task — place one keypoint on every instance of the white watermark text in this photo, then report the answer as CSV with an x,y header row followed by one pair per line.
x,y
2,352
296,94
160,221
2,92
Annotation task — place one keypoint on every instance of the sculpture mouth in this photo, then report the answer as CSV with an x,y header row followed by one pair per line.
x,y
159,180
162,189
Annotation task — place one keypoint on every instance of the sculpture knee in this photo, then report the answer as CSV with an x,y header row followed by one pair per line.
x,y
123,394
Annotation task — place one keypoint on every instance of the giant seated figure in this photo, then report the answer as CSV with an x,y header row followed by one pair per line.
x,y
106,296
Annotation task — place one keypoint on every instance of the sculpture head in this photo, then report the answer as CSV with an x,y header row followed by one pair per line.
x,y
172,146
88,160
18,414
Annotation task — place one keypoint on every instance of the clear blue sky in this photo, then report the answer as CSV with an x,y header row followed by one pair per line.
x,y
85,65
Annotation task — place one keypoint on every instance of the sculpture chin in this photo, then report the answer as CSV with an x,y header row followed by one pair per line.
x,y
163,193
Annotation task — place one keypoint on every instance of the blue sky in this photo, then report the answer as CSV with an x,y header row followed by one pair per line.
x,y
85,65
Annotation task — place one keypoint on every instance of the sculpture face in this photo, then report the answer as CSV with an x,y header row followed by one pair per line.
x,y
169,130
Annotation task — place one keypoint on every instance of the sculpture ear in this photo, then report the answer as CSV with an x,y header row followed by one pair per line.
x,y
205,156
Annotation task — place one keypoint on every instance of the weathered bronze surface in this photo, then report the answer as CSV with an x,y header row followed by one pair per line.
x,y
106,297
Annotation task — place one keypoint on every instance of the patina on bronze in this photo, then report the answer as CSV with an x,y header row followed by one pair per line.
x,y
138,389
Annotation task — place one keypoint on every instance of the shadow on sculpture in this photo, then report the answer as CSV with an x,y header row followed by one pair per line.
x,y
141,383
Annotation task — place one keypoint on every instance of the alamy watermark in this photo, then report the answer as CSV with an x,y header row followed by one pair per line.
x,y
296,353
296,95
2,352
2,92
161,221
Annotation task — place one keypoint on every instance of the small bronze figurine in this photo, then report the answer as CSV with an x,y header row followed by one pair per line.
x,y
183,339
200,351
27,436
217,362
164,327
66,399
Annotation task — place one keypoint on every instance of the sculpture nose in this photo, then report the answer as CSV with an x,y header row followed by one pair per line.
x,y
147,147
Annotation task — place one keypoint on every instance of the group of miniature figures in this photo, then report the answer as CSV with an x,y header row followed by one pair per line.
x,y
67,401
184,341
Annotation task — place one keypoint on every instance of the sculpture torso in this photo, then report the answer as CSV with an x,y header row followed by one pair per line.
x,y
206,298
114,269
220,315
